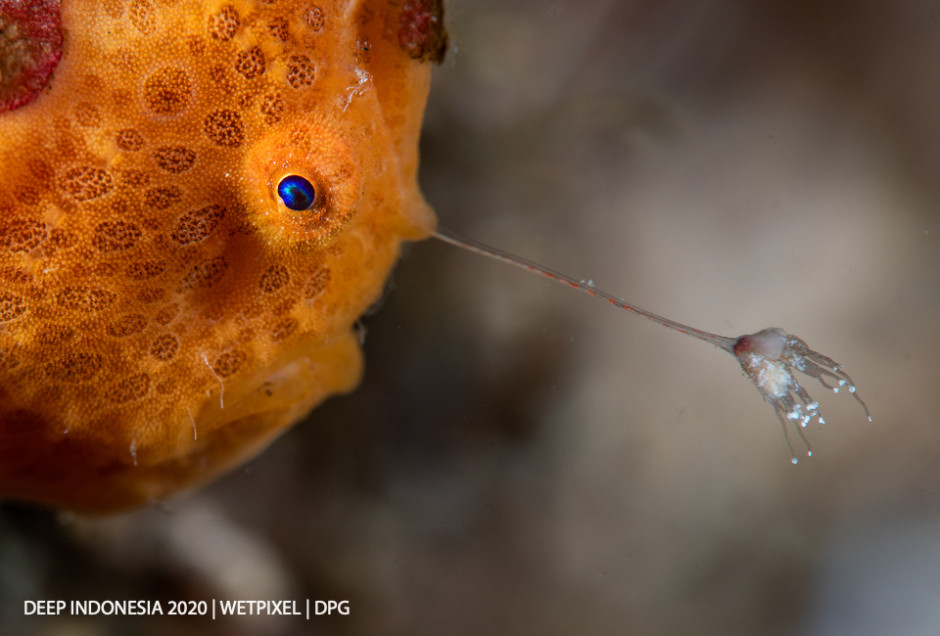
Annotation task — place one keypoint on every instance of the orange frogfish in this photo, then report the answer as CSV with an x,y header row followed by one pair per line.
x,y
198,199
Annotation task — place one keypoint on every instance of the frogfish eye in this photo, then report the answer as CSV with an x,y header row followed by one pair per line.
x,y
296,192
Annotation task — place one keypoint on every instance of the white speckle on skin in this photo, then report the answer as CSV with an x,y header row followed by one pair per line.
x,y
363,77
221,384
193,420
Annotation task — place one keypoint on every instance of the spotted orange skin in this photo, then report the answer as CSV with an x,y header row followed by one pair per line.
x,y
163,316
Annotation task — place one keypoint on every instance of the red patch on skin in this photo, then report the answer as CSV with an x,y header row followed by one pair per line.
x,y
421,32
30,49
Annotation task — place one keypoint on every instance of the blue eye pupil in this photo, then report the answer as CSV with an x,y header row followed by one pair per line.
x,y
296,192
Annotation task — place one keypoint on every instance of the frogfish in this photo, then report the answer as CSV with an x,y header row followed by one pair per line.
x,y
198,199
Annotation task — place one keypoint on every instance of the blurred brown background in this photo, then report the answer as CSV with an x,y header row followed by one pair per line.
x,y
523,460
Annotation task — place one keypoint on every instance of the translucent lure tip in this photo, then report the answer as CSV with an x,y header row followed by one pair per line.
x,y
770,357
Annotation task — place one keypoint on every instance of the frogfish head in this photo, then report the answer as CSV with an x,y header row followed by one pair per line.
x,y
196,205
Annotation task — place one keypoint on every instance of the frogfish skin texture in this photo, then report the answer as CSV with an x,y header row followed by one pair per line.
x,y
163,314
